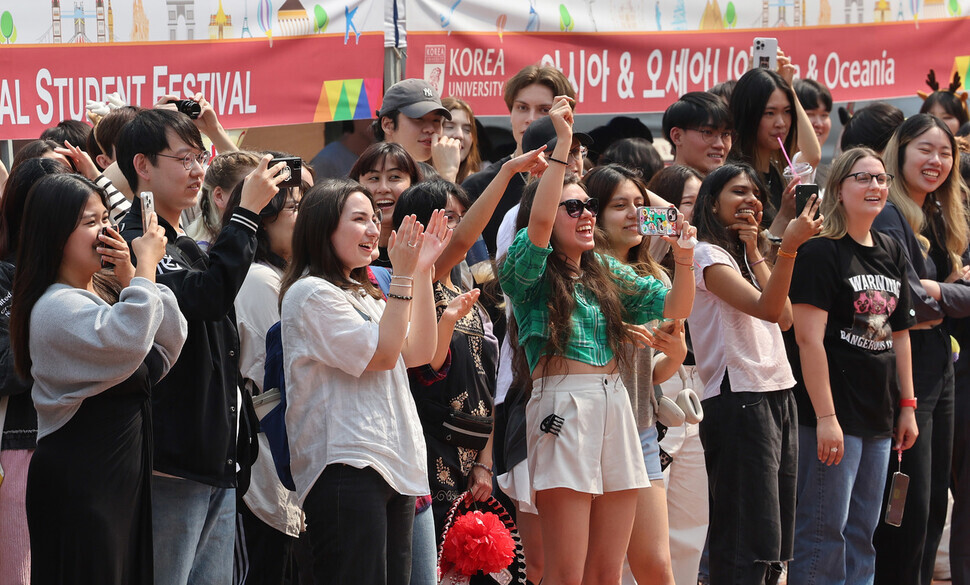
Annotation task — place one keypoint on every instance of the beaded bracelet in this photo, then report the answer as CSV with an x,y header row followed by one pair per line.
x,y
483,466
401,297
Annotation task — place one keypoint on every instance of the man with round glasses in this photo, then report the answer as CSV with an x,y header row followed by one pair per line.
x,y
203,428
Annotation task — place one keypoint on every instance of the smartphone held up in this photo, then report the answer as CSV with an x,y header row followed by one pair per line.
x,y
657,221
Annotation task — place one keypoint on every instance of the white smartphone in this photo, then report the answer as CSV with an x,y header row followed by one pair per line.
x,y
764,53
147,207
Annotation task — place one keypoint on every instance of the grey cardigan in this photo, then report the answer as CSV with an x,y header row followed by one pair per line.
x,y
81,346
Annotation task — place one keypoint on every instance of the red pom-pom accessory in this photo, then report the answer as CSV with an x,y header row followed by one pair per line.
x,y
476,542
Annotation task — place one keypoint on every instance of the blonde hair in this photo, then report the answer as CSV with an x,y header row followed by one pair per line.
x,y
225,171
948,196
836,224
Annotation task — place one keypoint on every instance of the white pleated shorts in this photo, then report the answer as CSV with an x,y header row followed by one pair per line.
x,y
597,448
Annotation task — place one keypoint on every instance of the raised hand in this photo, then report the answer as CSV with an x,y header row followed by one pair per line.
x,y
562,117
803,227
404,246
530,162
82,160
436,238
748,226
460,306
446,155
261,185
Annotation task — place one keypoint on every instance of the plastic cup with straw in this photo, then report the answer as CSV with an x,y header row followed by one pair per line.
x,y
802,171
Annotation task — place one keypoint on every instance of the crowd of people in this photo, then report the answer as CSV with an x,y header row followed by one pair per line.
x,y
729,402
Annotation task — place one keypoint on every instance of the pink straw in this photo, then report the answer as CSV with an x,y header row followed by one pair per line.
x,y
790,164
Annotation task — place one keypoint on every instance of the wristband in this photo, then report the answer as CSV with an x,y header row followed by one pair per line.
x,y
824,416
904,402
407,278
562,162
755,263
785,254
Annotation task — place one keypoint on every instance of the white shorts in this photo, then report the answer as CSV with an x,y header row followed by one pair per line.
x,y
597,449
517,486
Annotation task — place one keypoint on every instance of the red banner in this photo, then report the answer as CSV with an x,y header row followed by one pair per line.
x,y
645,72
250,82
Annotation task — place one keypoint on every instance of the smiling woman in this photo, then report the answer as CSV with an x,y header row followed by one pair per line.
x,y
358,455
386,170
748,431
93,354
926,213
565,298
851,310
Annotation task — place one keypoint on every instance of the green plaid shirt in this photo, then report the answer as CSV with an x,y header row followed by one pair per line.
x,y
522,276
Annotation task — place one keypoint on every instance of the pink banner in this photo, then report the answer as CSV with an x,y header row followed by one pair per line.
x,y
620,72
250,82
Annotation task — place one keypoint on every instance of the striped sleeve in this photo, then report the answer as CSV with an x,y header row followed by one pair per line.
x,y
118,204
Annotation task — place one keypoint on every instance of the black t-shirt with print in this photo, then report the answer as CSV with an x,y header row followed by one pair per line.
x,y
864,291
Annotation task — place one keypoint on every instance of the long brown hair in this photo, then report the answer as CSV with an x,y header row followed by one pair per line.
x,y
603,183
313,254
596,278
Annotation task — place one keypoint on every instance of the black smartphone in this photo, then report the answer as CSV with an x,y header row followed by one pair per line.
x,y
105,263
803,194
292,172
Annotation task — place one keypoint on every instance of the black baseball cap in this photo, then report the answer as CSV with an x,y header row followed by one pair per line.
x,y
542,132
414,98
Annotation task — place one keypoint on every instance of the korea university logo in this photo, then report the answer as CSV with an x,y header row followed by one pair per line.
x,y
434,68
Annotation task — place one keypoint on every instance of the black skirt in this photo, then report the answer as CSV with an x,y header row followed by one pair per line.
x,y
89,496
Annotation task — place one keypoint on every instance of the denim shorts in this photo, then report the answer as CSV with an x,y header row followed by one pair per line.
x,y
649,442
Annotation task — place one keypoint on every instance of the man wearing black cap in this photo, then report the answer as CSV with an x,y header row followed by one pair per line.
x,y
411,115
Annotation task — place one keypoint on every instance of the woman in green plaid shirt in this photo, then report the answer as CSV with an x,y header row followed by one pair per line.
x,y
570,305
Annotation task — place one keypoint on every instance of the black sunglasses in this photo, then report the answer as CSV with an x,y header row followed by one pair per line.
x,y
575,207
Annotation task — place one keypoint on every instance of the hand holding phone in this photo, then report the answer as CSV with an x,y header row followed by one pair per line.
x,y
105,263
803,194
657,221
764,53
147,208
292,172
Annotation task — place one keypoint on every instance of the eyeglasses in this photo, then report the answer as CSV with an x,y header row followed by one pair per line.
x,y
202,158
453,218
864,178
577,153
575,207
711,136
292,206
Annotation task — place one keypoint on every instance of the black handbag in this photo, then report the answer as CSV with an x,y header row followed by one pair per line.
x,y
454,427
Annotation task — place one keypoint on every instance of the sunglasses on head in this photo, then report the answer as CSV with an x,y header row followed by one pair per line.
x,y
575,207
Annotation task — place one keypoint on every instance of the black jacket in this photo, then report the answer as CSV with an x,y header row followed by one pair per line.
x,y
20,425
194,407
